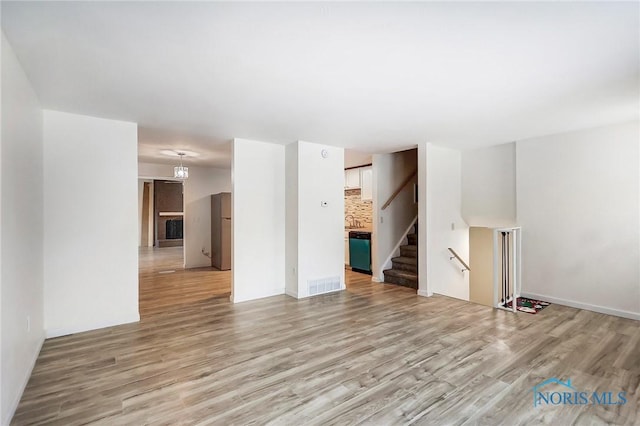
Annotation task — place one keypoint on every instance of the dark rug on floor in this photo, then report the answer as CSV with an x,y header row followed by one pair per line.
x,y
529,306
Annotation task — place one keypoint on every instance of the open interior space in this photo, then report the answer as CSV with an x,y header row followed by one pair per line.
x,y
297,213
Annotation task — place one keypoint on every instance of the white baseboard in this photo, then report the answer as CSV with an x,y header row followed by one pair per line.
x,y
424,293
580,305
64,331
16,401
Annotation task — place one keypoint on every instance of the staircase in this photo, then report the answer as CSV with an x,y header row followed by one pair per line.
x,y
404,269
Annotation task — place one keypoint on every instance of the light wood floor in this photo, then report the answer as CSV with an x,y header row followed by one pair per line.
x,y
166,285
374,354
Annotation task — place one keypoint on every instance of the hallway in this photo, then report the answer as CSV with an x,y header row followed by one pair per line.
x,y
165,285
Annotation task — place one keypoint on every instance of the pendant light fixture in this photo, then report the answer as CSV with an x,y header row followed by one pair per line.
x,y
181,172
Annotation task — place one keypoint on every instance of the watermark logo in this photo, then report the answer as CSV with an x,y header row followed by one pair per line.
x,y
569,395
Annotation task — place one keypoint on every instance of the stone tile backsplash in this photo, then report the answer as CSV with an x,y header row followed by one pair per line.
x,y
361,210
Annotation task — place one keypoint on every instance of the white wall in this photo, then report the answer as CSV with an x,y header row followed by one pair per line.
x,y
489,186
320,229
445,227
155,171
389,171
21,213
424,288
578,205
291,219
90,238
202,182
258,261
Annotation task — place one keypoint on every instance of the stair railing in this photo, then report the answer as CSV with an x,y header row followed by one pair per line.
x,y
507,267
459,259
400,188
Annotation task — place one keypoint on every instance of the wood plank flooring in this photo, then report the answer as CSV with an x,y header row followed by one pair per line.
x,y
165,284
373,354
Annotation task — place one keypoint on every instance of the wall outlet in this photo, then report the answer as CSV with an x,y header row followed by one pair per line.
x,y
28,323
381,219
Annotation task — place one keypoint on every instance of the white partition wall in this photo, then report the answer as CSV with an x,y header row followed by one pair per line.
x,y
441,223
424,286
21,287
315,219
90,223
258,225
291,219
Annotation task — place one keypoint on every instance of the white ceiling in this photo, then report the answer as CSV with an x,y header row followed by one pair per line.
x,y
210,153
374,77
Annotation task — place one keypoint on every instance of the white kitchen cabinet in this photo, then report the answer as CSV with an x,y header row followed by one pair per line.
x,y
352,178
366,183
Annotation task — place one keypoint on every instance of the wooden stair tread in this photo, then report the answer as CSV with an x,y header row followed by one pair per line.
x,y
401,274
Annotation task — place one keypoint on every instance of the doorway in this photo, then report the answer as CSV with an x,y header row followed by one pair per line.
x,y
358,214
160,224
166,284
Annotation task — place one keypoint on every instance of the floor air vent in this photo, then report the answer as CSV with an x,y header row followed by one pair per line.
x,y
323,285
